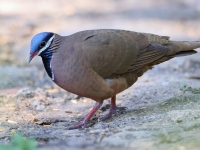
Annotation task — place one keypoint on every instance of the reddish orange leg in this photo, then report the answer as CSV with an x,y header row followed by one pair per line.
x,y
112,110
87,118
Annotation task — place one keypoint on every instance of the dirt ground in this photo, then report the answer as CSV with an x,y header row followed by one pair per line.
x,y
157,116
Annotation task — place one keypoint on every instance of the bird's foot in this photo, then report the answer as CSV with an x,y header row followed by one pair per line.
x,y
112,111
109,114
82,124
87,118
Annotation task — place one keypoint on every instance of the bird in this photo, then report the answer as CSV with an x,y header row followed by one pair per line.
x,y
99,64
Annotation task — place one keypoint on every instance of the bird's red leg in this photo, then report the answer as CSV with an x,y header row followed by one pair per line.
x,y
87,118
112,110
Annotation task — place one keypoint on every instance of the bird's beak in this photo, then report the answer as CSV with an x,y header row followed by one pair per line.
x,y
31,56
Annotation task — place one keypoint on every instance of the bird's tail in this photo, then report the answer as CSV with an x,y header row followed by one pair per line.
x,y
182,48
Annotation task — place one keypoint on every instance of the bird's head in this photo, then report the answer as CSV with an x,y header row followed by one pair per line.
x,y
39,43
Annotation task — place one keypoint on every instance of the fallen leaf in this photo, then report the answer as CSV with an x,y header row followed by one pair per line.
x,y
12,122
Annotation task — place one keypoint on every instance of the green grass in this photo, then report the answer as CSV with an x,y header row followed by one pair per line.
x,y
18,142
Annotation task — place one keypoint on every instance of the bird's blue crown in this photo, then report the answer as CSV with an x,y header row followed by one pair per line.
x,y
37,39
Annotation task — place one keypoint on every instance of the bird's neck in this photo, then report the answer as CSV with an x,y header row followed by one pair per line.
x,y
48,55
47,66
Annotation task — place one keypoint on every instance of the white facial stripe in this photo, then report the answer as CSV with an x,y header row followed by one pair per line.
x,y
52,78
47,45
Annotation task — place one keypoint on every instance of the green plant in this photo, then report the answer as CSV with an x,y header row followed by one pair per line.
x,y
184,88
18,142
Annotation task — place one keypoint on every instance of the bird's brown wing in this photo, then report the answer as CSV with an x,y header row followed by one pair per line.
x,y
153,54
114,52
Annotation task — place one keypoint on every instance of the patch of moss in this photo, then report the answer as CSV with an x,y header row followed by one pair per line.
x,y
185,88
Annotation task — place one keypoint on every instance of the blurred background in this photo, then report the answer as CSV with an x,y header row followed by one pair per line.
x,y
20,20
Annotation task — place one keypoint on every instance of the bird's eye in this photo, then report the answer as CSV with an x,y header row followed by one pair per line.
x,y
42,44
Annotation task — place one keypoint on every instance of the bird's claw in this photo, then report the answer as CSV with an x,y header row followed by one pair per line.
x,y
82,124
112,111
